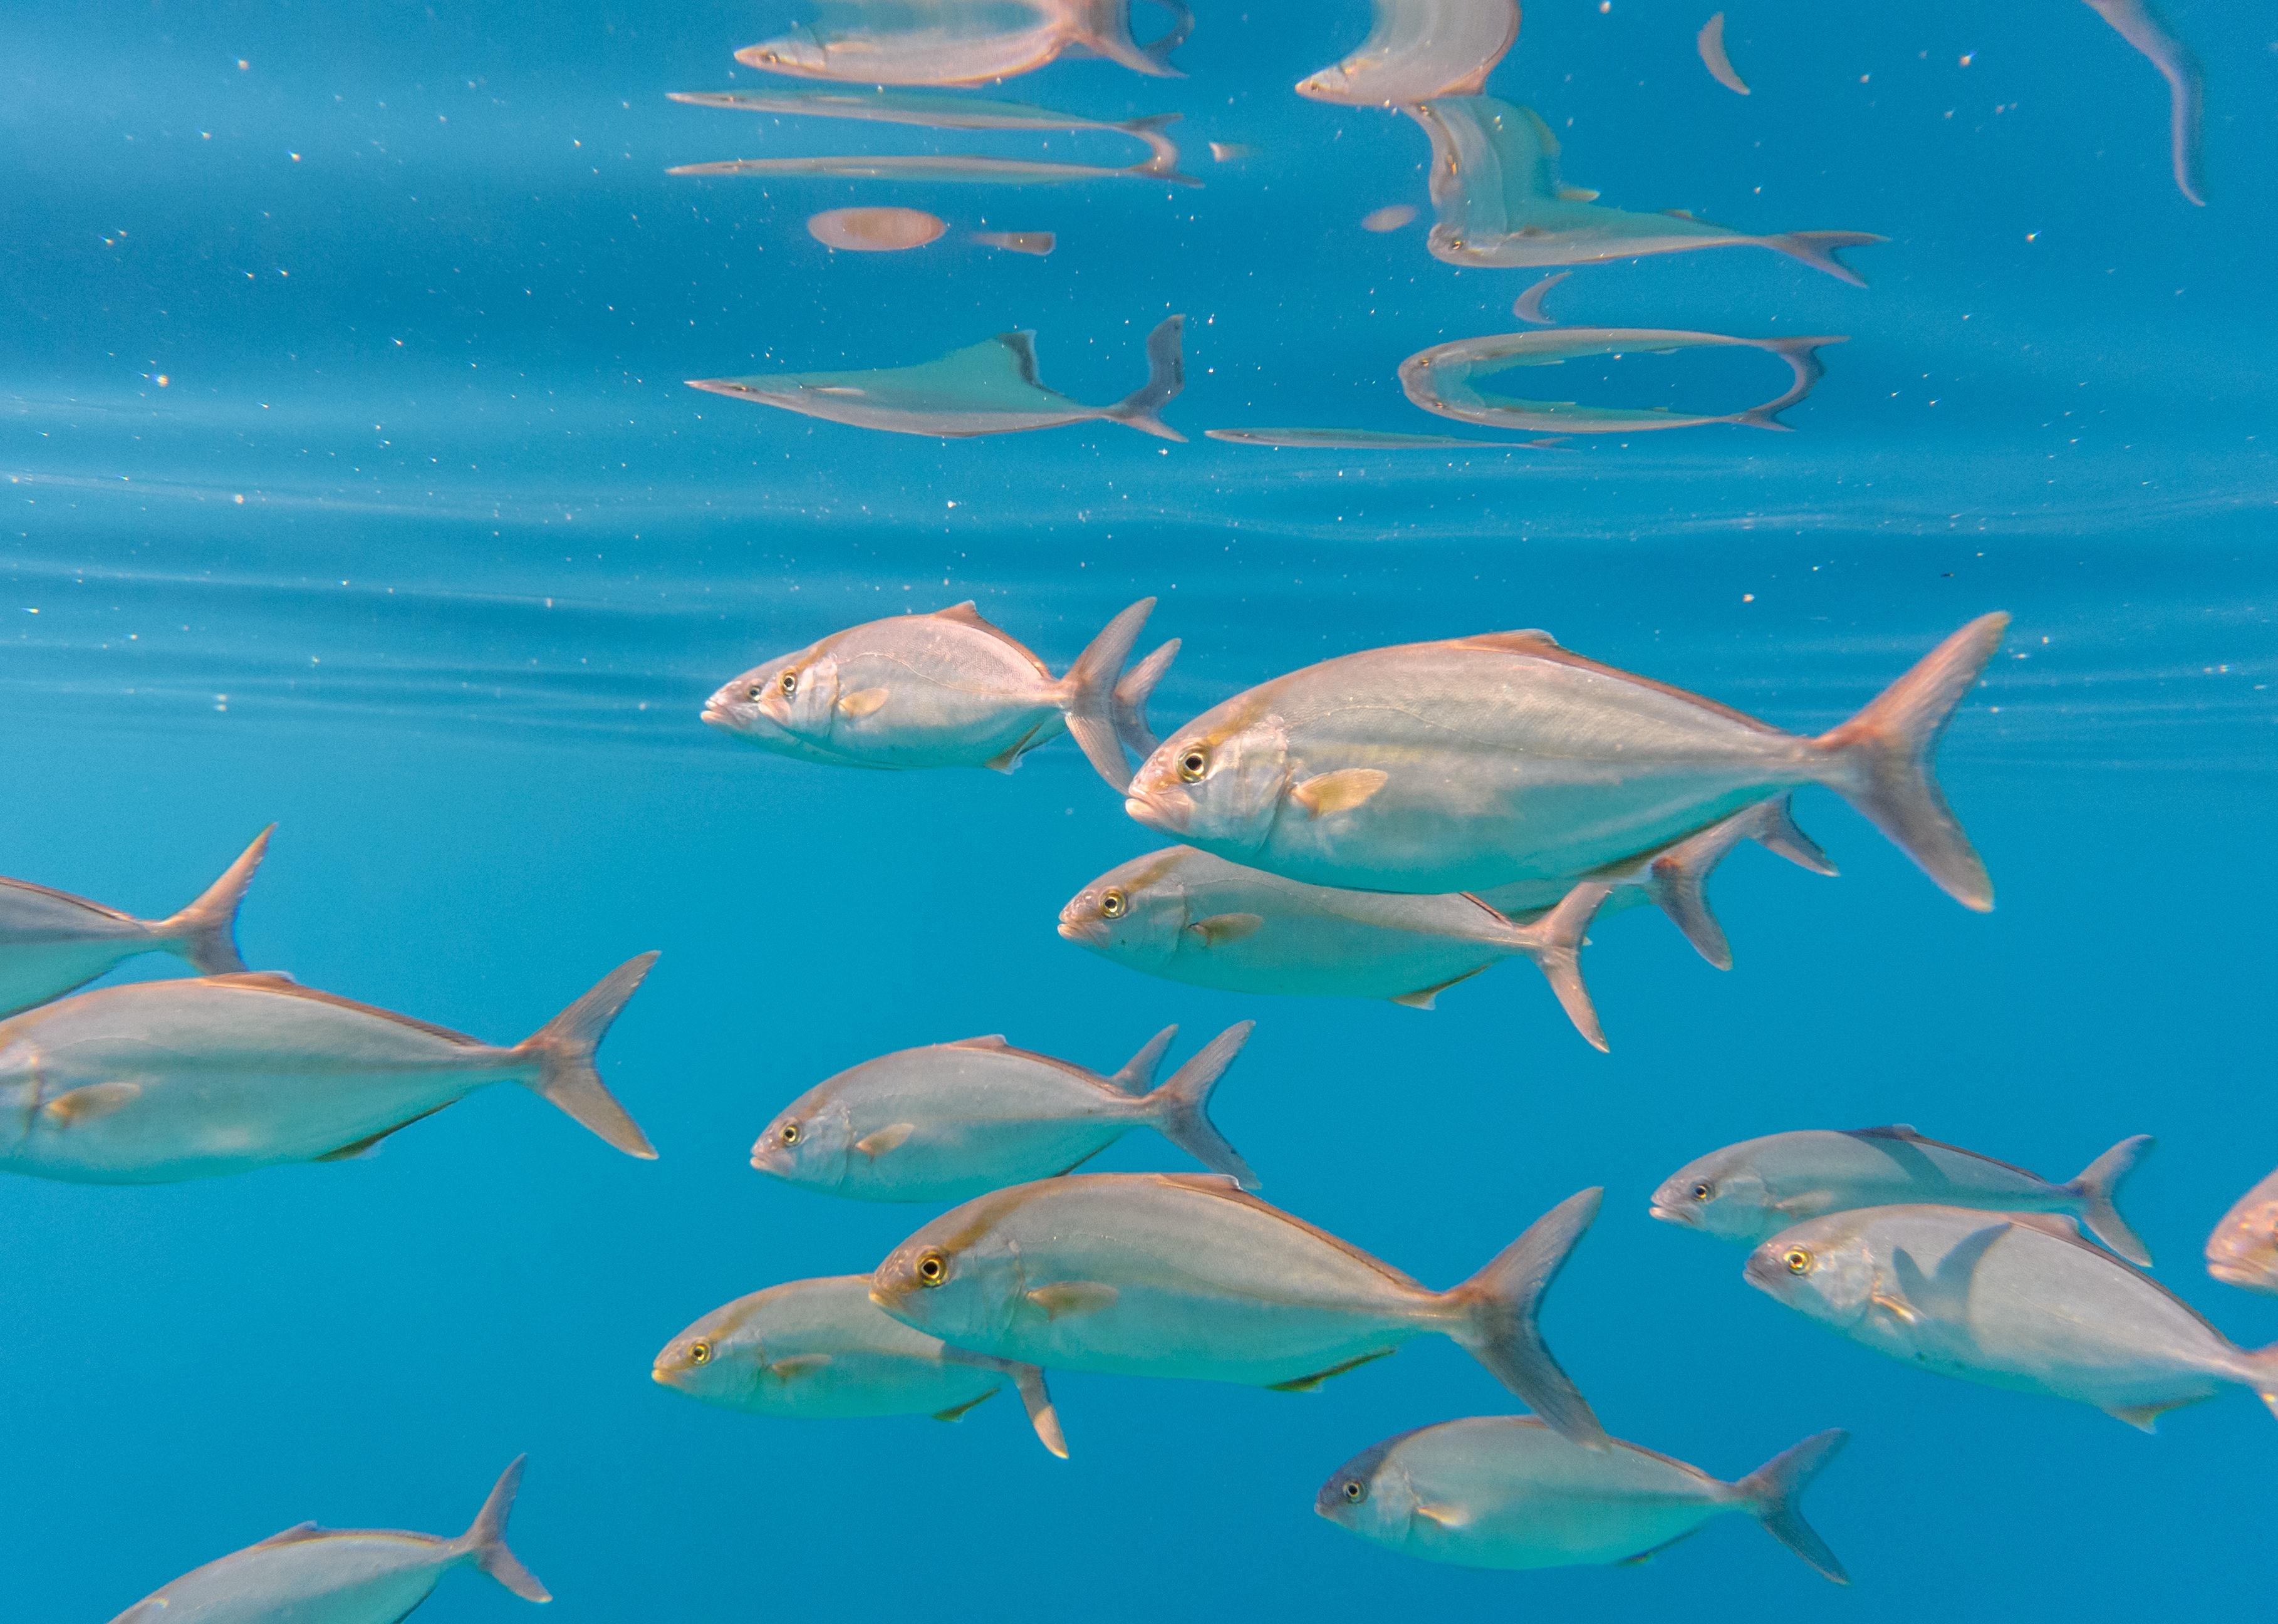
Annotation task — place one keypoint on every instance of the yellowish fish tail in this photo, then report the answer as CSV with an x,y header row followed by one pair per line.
x,y
1496,1319
1774,1492
2096,1189
1555,942
1180,1108
1879,761
1820,249
486,1542
563,1049
1089,693
205,933
1132,693
1166,375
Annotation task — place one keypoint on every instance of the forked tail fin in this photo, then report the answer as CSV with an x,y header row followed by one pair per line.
x,y
486,1542
1880,761
2098,1188
1181,1108
1166,375
563,1049
1132,694
1089,688
1819,249
1554,943
1137,1075
205,933
1497,1310
1775,1489
1802,358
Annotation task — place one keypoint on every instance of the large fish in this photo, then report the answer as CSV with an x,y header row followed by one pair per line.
x,y
927,110
2015,1301
313,1576
987,388
968,42
1499,201
937,167
1417,49
955,1120
817,1348
2134,22
2244,1249
51,941
1184,1275
166,1080
1504,1491
1489,760
1752,1190
944,689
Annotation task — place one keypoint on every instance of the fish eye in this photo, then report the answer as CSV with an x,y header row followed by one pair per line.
x,y
756,692
1355,1490
1194,764
788,682
788,1133
931,1270
1113,904
699,1352
1703,1192
1798,1260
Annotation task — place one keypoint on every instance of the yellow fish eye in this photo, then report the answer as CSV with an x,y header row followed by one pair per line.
x,y
1798,1260
1701,1192
1355,1490
1194,764
1112,903
931,1270
789,683
699,1352
788,1133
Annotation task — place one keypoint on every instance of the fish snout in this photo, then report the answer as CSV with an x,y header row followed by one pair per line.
x,y
1673,1214
1078,923
1165,811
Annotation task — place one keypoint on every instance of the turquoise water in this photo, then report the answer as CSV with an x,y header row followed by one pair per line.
x,y
422,552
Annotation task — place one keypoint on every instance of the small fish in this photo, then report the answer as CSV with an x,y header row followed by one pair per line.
x,y
1710,41
2244,1249
987,388
1416,49
945,689
1161,165
819,1349
1490,759
313,1576
973,42
2134,22
165,1080
957,1120
1504,1491
1354,440
1184,1275
1752,1190
51,941
1036,243
2013,1301
1392,216
1500,202
1445,378
876,231
929,110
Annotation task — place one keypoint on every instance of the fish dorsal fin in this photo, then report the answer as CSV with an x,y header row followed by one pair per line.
x,y
1209,1183
966,615
275,979
298,1534
1530,640
1225,1188
1022,346
994,1040
1889,1131
284,986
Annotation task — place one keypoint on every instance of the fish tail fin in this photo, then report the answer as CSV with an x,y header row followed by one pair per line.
x,y
1880,761
1496,1313
1138,1072
563,1049
2098,1189
1162,161
1775,1489
486,1542
1802,356
1166,375
1131,696
1763,416
1181,1106
1773,826
205,933
1036,1398
1104,27
1554,943
1089,691
1819,251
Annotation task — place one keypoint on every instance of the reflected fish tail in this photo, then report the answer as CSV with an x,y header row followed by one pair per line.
x,y
563,1050
1820,249
1089,693
1180,1108
1166,375
205,933
1131,696
2096,1189
1496,1313
1775,1489
1103,26
486,1542
1880,761
1802,356
1554,943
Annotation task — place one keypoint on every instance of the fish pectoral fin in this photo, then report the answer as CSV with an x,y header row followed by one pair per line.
x,y
863,702
293,1536
891,1137
1310,1383
1424,997
1453,1517
365,1145
1341,791
957,1412
1898,1307
1068,1298
2144,1417
91,1103
1580,193
798,1365
1219,929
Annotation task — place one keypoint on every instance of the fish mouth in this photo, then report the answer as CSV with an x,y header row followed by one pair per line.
x,y
1143,810
1074,927
1671,1215
716,715
2232,1273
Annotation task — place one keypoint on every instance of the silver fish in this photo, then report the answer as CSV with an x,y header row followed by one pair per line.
x,y
987,388
1417,49
2244,1249
955,1120
1184,1275
166,1080
936,168
1504,1491
945,689
2015,1301
313,1576
969,42
1487,760
1499,200
1445,378
1752,1190
2134,22
51,941
817,1348
927,110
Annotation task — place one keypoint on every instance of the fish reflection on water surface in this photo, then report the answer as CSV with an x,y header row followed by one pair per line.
x,y
967,42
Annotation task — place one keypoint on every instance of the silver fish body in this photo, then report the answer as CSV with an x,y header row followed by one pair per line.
x,y
2243,1251
969,42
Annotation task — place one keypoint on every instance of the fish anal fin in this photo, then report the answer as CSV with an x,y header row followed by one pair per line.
x,y
893,1135
1067,1297
1328,792
1310,1384
863,702
350,1152
1423,996
957,1411
91,1103
2145,1417
1009,757
1220,929
1651,1552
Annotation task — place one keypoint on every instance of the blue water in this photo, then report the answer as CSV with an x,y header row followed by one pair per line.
x,y
422,552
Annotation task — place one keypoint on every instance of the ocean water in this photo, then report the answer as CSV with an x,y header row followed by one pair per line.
x,y
352,486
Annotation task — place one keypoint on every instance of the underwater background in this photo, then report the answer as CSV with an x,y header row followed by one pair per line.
x,y
352,485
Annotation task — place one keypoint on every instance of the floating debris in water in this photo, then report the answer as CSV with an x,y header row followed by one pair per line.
x,y
1710,41
875,231
1416,49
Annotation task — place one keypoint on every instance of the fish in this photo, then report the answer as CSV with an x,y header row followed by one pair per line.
x,y
1499,201
1445,378
952,1121
987,388
1710,42
2137,23
1392,216
1353,439
160,1081
969,42
926,109
819,1349
876,231
52,942
1485,761
1505,1491
1036,243
2011,1300
2244,1249
1185,1275
944,689
1417,49
313,1576
1752,1190
935,167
